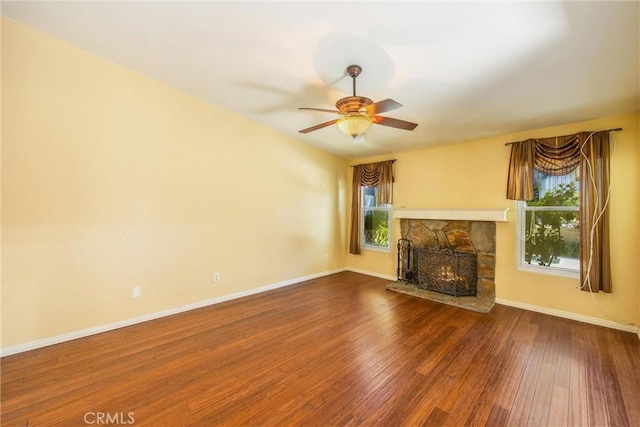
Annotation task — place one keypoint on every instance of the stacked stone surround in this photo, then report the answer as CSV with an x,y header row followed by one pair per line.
x,y
463,236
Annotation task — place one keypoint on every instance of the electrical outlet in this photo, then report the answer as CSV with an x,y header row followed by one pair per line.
x,y
136,292
326,257
216,277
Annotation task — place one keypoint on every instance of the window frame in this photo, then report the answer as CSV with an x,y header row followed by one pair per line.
x,y
363,209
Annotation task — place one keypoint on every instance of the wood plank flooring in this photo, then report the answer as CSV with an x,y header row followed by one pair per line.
x,y
339,350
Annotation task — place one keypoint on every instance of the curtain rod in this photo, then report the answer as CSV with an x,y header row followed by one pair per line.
x,y
392,160
608,130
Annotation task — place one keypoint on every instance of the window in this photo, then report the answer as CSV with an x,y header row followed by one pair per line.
x,y
375,218
548,226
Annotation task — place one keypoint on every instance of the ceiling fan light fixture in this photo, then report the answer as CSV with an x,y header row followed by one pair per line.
x,y
354,125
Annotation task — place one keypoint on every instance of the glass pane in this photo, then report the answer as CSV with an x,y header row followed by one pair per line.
x,y
552,236
551,190
552,239
369,197
376,228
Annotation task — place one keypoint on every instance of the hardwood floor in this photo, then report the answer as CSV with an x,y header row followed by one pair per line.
x,y
339,350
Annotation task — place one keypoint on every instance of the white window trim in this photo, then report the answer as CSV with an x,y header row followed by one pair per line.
x,y
520,244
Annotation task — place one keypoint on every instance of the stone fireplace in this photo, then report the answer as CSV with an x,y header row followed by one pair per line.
x,y
474,239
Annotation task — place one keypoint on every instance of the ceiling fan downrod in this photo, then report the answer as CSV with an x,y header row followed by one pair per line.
x,y
354,71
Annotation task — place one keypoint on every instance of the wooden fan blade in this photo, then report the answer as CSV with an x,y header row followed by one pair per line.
x,y
394,123
320,126
383,106
320,109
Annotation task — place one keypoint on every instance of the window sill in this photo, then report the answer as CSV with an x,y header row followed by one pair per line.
x,y
550,271
376,249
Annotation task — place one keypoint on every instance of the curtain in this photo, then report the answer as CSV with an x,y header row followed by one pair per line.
x,y
370,175
520,178
595,267
559,156
355,247
553,156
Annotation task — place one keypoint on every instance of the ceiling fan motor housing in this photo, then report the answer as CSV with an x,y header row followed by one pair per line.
x,y
353,104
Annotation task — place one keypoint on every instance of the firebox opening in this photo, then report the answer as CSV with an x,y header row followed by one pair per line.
x,y
446,271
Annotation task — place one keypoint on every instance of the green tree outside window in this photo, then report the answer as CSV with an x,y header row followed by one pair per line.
x,y
545,229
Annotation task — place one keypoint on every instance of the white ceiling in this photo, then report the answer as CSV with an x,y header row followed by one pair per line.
x,y
462,70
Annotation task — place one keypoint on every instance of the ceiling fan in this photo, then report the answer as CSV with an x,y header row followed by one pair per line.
x,y
359,113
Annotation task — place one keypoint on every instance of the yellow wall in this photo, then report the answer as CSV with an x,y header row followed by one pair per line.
x,y
111,180
473,174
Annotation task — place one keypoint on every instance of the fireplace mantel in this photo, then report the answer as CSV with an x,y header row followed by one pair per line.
x,y
464,214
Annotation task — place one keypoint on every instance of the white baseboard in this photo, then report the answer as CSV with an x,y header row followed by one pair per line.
x,y
371,273
20,348
572,316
